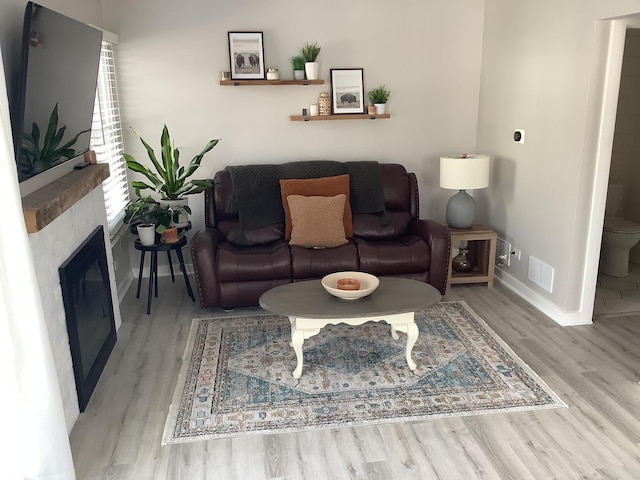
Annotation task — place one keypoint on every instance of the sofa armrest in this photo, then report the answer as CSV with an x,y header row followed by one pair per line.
x,y
204,245
439,241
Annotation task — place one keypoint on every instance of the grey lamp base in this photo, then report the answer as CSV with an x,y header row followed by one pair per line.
x,y
461,210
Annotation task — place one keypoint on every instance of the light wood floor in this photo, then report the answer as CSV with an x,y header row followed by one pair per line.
x,y
595,369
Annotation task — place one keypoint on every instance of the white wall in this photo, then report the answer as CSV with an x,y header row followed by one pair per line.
x,y
427,53
542,62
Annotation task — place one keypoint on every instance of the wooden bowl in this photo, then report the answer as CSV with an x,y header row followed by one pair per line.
x,y
368,283
348,284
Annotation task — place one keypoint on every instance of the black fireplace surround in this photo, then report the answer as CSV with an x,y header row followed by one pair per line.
x,y
86,292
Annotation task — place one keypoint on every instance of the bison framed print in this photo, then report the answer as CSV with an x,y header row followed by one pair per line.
x,y
347,90
246,56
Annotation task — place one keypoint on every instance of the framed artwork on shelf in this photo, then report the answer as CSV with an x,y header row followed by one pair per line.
x,y
246,56
347,90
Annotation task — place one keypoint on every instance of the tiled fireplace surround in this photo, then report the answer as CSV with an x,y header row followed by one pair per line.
x,y
51,246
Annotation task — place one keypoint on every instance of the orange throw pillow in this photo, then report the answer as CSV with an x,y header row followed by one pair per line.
x,y
317,221
321,187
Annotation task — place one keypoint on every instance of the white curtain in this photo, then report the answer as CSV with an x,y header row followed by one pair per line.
x,y
33,443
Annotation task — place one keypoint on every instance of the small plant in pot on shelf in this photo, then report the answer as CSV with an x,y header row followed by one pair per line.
x,y
310,53
298,67
170,180
379,97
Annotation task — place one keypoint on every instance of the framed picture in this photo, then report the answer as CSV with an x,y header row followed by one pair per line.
x,y
246,56
347,90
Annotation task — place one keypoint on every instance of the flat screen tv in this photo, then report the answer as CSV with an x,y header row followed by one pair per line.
x,y
52,108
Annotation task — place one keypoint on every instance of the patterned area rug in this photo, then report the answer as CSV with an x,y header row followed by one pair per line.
x,y
236,376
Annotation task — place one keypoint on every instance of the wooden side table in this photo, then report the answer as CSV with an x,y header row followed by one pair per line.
x,y
481,241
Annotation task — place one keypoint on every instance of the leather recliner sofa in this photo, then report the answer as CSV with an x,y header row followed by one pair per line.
x,y
229,275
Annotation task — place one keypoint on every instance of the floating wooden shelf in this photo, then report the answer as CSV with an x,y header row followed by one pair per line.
x,y
350,116
237,83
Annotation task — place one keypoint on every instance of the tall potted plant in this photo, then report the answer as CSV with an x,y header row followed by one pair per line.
x,y
310,54
170,180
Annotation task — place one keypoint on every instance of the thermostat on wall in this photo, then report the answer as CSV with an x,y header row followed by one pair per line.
x,y
518,135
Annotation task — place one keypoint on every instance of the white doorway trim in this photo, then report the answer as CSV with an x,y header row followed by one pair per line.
x,y
599,131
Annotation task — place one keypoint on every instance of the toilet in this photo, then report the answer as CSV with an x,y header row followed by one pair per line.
x,y
618,237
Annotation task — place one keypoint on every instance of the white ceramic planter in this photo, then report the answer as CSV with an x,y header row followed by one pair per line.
x,y
147,234
381,108
311,70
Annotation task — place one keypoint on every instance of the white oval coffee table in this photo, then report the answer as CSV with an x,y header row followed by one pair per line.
x,y
310,308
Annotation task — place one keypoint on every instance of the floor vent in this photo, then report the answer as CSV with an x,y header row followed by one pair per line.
x,y
541,274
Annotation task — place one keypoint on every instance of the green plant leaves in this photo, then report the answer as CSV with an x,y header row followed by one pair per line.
x,y
169,179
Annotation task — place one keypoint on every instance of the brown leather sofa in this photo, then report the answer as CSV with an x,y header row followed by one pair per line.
x,y
230,275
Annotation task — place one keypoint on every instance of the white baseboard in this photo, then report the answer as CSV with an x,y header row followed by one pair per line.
x,y
550,309
124,287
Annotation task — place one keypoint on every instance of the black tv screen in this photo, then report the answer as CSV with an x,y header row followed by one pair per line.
x,y
53,108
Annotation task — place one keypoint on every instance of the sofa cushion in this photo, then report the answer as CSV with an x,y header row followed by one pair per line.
x,y
317,221
406,254
323,187
367,226
232,232
310,263
240,264
246,294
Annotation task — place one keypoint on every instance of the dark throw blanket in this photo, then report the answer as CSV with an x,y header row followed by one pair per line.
x,y
256,188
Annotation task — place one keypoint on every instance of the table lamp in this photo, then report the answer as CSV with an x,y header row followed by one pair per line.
x,y
463,172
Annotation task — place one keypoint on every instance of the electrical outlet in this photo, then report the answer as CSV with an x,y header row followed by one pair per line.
x,y
516,253
503,253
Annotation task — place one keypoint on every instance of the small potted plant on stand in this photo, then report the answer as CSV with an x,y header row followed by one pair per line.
x,y
379,97
149,217
168,225
310,54
170,180
143,216
298,67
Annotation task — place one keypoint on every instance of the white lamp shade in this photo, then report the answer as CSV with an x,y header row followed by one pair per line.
x,y
464,172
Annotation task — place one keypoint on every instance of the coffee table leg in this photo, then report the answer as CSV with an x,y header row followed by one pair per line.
x,y
297,339
412,336
394,333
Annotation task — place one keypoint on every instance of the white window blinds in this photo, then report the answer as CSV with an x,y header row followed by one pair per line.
x,y
106,138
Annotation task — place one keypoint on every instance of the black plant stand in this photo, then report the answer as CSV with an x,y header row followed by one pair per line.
x,y
153,270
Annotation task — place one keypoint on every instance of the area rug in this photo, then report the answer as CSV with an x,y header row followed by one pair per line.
x,y
236,376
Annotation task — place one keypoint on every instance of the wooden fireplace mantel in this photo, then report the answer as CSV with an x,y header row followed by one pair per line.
x,y
43,206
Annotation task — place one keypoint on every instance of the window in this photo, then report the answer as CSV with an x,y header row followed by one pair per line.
x,y
106,136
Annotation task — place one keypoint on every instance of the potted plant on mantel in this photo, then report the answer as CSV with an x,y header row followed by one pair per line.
x,y
170,180
379,97
310,54
298,67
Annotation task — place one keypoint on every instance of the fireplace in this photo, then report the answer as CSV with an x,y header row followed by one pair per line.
x,y
86,293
